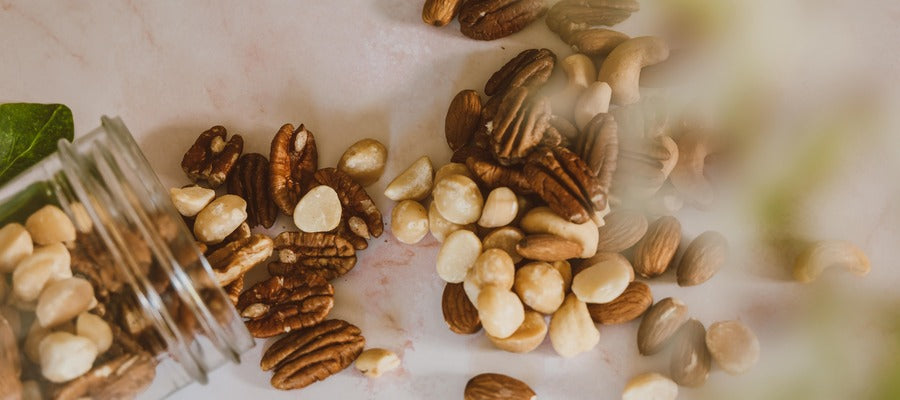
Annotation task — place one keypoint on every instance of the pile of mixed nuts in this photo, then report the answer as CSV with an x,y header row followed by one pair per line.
x,y
335,217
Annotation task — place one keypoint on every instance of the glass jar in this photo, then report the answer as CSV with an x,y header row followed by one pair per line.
x,y
171,323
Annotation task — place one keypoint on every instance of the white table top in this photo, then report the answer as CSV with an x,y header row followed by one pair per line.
x,y
353,69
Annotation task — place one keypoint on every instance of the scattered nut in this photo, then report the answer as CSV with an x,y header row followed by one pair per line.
x,y
733,345
565,270
46,264
528,337
190,200
630,305
500,208
414,183
655,251
293,159
62,300
659,325
250,180
374,362
459,312
457,255
571,329
440,12
319,210
494,19
218,219
493,267
65,356
95,328
230,262
15,245
545,247
458,199
650,386
500,310
544,220
505,239
364,161
452,169
211,157
439,226
830,253
497,387
689,365
622,230
622,68
463,116
540,287
312,354
602,282
50,225
592,101
702,259
409,221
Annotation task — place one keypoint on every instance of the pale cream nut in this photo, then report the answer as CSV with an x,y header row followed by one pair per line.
x,y
219,218
50,225
46,264
826,254
95,328
572,331
471,287
604,256
452,169
439,226
592,101
65,356
375,362
457,255
544,220
602,282
33,338
15,245
505,239
494,267
414,183
319,210
650,386
63,300
540,287
500,310
81,218
191,200
458,199
500,208
364,161
565,271
409,221
733,346
528,337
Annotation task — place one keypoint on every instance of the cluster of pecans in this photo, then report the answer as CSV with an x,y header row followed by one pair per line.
x,y
335,218
76,346
484,19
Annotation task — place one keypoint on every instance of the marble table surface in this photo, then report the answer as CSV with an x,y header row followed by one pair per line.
x,y
352,69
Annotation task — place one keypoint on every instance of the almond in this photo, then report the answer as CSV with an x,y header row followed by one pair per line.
x,y
702,259
548,248
462,118
622,230
659,325
459,313
440,12
630,305
655,251
691,360
491,386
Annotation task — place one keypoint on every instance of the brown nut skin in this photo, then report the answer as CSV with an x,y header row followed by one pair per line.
x,y
518,125
291,167
494,19
630,305
286,304
547,247
566,183
598,146
530,69
211,158
462,118
492,386
659,324
690,362
250,180
459,313
622,229
312,354
440,12
355,200
570,16
702,259
654,252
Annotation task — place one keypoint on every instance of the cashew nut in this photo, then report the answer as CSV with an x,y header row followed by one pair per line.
x,y
414,183
15,245
50,225
592,101
830,253
409,221
622,68
544,220
579,69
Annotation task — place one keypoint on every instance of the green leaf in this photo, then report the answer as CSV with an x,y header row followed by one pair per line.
x,y
29,132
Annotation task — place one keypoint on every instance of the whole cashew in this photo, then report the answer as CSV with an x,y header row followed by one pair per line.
x,y
622,68
830,253
579,69
592,101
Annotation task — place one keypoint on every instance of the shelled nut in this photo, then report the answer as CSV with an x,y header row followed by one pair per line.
x,y
602,282
500,310
190,200
364,161
15,245
62,300
544,220
414,183
540,287
65,356
218,219
409,221
458,199
95,328
374,362
50,225
439,226
527,337
733,346
457,255
500,208
571,329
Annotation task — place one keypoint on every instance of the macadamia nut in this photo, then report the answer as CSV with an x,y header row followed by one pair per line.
x,y
452,169
458,199
494,267
63,300
46,264
218,219
733,346
501,312
65,356
540,287
457,254
439,225
50,225
374,362
505,239
409,221
500,208
565,271
364,161
191,200
414,183
544,220
95,328
15,245
527,338
571,329
319,210
602,282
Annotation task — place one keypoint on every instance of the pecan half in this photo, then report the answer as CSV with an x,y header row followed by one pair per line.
x,y
234,289
569,16
236,258
598,146
313,354
492,174
293,159
519,125
250,181
281,304
494,19
211,158
530,68
123,377
357,204
566,183
300,252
